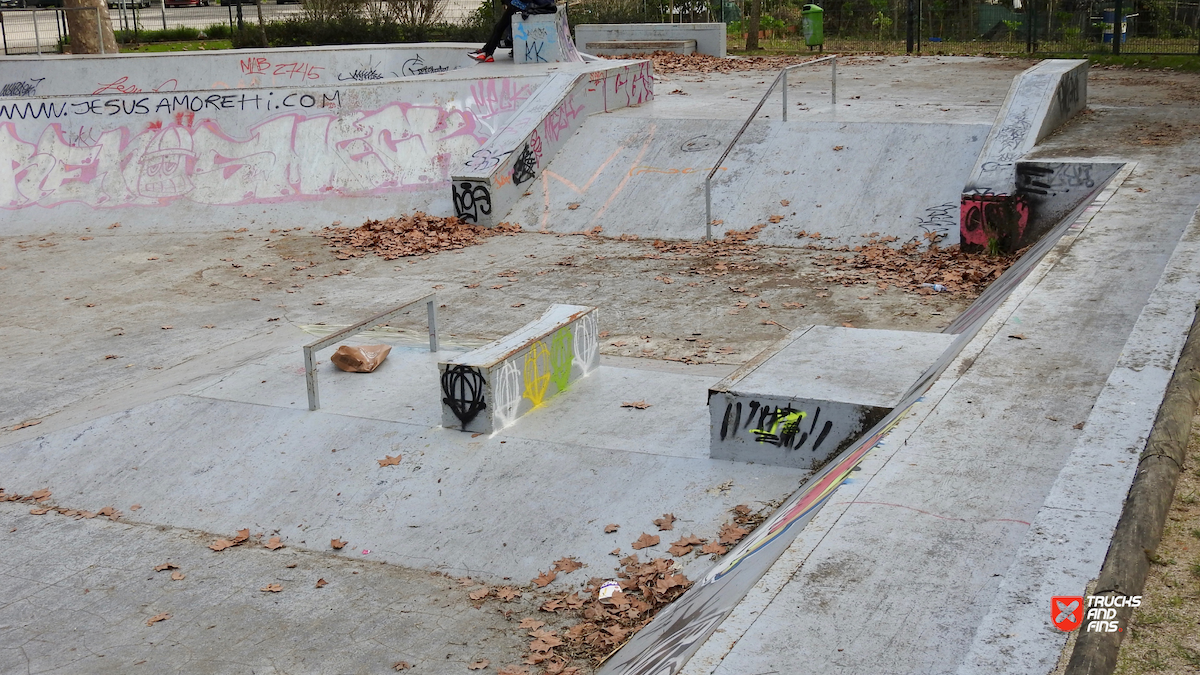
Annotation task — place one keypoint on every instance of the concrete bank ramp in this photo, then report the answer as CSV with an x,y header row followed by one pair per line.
x,y
842,180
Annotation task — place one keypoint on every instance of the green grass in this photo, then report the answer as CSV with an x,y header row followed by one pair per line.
x,y
188,46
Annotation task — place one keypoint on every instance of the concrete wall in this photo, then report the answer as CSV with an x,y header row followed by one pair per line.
x,y
709,37
500,172
1039,101
269,154
487,389
543,38
228,69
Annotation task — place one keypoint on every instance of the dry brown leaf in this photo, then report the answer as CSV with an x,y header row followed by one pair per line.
x,y
337,544
775,219
667,522
177,576
40,495
1017,336
273,543
39,512
156,618
272,588
321,583
531,624
507,593
610,528
106,511
784,202
242,535
1077,426
135,507
640,405
29,423
732,534
567,565
166,566
479,665
543,580
220,544
401,665
714,548
645,541
480,593
388,461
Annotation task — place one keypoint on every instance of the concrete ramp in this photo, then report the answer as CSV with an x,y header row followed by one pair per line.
x,y
841,180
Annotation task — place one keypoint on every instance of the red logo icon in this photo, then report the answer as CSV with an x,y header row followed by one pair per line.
x,y
1066,612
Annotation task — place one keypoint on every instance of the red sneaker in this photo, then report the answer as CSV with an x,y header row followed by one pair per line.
x,y
482,57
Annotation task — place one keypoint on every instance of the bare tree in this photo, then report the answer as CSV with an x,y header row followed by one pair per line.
x,y
90,35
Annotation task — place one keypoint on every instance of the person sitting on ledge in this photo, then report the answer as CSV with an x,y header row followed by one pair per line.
x,y
511,7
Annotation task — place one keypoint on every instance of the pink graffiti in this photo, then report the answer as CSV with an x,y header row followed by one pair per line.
x,y
560,118
292,157
259,65
489,100
989,216
122,86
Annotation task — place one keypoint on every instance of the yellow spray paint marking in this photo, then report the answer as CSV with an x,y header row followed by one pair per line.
x,y
537,373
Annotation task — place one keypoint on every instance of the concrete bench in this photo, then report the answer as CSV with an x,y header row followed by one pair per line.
x,y
487,389
622,47
543,38
808,396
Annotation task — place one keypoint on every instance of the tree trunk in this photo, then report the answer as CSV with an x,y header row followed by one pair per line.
x,y
262,28
81,26
752,25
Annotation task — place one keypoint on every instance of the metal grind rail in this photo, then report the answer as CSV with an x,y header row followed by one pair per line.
x,y
781,77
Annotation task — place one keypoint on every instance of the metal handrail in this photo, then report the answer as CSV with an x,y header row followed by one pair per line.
x,y
311,349
781,77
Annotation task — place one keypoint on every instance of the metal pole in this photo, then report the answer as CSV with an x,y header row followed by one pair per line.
x,y
785,94
431,306
162,7
1118,12
241,23
3,34
834,87
37,38
99,32
911,27
708,208
310,375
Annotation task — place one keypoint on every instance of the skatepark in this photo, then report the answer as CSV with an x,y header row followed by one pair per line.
x,y
926,468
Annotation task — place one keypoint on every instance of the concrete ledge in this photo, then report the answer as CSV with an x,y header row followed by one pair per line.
x,y
543,38
487,389
1039,101
621,47
805,398
709,37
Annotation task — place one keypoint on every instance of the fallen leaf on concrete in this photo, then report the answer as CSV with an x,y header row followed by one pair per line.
x,y
775,219
1017,336
272,588
465,581
847,324
513,670
544,641
611,527
645,541
763,304
167,327
543,580
220,544
242,535
135,507
401,665
839,147
640,405
106,511
667,522
792,305
177,576
615,551
166,566
1077,426
567,565
572,206
321,583
273,543
480,593
731,534
337,544
29,423
479,665
156,618
784,202
684,545
409,235
39,512
531,624
507,593
388,461
40,495
714,548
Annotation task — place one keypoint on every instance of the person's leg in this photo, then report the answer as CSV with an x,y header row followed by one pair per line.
x,y
498,31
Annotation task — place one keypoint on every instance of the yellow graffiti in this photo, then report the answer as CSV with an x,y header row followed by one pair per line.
x,y
537,373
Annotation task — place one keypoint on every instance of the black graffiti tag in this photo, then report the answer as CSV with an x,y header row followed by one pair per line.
x,y
525,167
470,201
462,392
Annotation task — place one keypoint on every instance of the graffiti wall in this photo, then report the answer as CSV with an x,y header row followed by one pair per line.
x,y
486,185
482,393
245,147
233,69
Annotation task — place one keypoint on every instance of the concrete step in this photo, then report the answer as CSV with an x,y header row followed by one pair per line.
x,y
620,47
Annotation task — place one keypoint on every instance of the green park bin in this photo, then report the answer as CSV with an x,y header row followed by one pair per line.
x,y
813,23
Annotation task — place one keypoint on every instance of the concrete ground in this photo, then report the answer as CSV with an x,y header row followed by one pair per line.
x,y
178,312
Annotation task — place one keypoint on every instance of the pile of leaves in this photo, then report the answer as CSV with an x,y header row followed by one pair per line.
x,y
409,235
670,62
735,243
910,267
39,499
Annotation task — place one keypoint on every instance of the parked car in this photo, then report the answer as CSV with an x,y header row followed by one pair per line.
x,y
139,4
43,3
287,2
185,3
